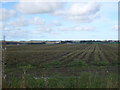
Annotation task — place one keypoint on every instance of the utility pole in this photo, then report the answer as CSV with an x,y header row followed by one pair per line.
x,y
3,57
4,82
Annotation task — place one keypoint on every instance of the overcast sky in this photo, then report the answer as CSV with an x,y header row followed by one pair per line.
x,y
59,20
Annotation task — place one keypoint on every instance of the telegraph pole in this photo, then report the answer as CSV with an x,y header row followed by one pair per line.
x,y
3,57
4,82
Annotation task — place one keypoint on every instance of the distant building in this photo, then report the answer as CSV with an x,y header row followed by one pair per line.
x,y
52,42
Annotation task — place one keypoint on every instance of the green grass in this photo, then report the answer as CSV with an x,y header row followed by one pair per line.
x,y
102,63
76,64
51,64
84,80
59,64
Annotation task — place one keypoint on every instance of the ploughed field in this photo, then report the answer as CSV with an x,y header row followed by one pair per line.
x,y
62,60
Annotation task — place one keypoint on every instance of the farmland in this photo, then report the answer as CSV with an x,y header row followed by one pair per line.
x,y
63,65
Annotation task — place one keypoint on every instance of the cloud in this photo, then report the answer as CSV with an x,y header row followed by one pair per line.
x,y
22,21
84,28
80,12
17,34
6,14
51,30
47,28
77,28
35,7
1,26
42,29
115,27
37,21
3,1
55,23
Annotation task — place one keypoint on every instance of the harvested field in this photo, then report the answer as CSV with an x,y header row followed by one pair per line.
x,y
61,60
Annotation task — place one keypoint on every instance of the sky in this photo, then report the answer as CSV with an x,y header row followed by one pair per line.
x,y
38,20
